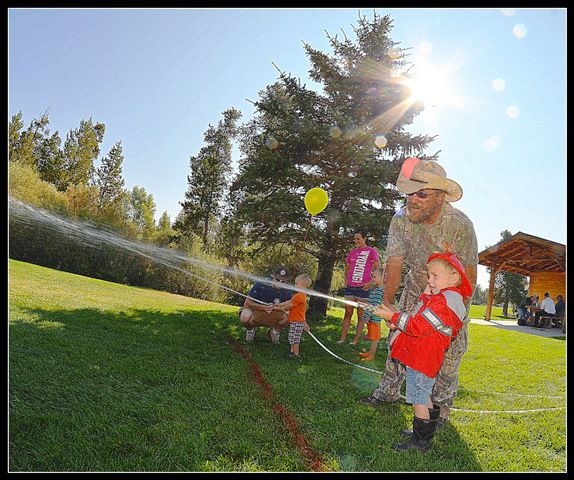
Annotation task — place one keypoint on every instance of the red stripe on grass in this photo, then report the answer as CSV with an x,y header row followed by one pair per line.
x,y
312,458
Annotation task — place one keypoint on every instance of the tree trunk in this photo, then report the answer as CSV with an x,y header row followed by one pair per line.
x,y
322,284
205,230
506,300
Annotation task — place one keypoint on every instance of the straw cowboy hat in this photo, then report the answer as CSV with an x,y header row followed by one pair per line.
x,y
418,174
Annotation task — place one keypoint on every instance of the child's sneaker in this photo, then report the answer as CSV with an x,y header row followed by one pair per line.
x,y
273,336
249,335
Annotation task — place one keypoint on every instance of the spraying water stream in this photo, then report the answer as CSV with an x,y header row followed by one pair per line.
x,y
88,234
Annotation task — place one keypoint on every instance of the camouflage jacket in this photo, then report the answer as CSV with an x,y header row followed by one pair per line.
x,y
453,231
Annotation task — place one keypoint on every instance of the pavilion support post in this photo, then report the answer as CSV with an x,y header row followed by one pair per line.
x,y
488,312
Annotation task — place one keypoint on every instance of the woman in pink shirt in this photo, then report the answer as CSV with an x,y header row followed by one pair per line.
x,y
359,263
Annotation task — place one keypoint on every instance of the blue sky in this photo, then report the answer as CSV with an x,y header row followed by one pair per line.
x,y
158,77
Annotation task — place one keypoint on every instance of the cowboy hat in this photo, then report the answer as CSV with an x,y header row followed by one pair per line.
x,y
418,174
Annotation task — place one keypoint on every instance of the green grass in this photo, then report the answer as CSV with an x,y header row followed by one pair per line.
x,y
106,377
478,311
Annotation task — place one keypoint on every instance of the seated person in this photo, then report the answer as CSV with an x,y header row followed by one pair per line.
x,y
523,312
560,306
547,309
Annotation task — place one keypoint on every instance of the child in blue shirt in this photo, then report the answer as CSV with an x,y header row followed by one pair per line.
x,y
373,322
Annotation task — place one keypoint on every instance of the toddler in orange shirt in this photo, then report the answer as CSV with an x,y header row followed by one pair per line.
x,y
297,307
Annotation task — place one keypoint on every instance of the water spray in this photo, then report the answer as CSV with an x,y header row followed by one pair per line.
x,y
89,234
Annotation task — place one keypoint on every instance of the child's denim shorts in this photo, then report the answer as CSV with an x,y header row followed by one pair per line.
x,y
419,387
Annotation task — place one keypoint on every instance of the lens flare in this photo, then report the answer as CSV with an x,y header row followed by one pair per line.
x,y
498,84
519,31
335,132
513,111
381,141
271,143
492,143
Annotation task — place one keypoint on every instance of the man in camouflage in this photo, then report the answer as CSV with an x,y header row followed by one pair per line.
x,y
428,223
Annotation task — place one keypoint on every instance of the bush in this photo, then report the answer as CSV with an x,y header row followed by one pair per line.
x,y
25,184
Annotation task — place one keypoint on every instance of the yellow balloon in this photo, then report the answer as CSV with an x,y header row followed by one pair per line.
x,y
316,200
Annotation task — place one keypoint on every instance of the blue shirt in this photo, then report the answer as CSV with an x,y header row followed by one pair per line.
x,y
269,294
375,298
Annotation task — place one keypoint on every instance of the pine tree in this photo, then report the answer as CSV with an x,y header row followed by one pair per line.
x,y
348,139
209,177
25,147
108,177
509,288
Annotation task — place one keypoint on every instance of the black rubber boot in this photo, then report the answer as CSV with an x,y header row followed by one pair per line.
x,y
434,415
423,432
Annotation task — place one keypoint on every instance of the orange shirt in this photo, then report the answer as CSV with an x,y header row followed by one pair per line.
x,y
299,302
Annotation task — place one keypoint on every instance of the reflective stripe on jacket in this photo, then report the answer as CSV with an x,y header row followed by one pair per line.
x,y
427,334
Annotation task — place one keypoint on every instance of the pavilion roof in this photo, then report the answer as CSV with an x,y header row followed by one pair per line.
x,y
525,254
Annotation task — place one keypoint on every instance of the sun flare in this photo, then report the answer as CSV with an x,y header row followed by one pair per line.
x,y
430,86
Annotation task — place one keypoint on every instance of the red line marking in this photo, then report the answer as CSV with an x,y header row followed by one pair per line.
x,y
312,458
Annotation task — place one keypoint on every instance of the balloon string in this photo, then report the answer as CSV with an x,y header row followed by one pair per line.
x,y
307,231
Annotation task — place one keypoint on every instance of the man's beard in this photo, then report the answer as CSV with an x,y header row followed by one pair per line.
x,y
417,215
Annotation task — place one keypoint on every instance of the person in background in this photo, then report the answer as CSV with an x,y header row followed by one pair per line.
x,y
560,306
374,322
547,309
264,306
426,224
358,266
523,312
536,301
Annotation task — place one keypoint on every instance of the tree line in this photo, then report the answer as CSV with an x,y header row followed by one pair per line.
x,y
347,135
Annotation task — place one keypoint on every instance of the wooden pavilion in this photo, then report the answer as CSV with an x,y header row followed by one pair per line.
x,y
543,261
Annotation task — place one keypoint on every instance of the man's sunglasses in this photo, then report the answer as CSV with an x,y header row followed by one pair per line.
x,y
421,194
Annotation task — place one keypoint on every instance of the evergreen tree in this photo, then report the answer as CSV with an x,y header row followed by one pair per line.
x,y
14,128
480,296
348,139
81,149
209,177
509,288
51,161
25,147
165,234
108,177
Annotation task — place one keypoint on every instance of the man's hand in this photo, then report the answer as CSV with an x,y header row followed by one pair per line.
x,y
306,327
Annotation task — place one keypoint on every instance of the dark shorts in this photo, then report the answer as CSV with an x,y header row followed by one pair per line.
x,y
352,293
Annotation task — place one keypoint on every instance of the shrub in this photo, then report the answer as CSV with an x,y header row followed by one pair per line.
x,y
25,184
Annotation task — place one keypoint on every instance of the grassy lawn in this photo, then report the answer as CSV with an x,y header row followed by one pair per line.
x,y
105,377
478,311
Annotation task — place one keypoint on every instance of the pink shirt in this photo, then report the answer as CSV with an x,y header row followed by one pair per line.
x,y
361,262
